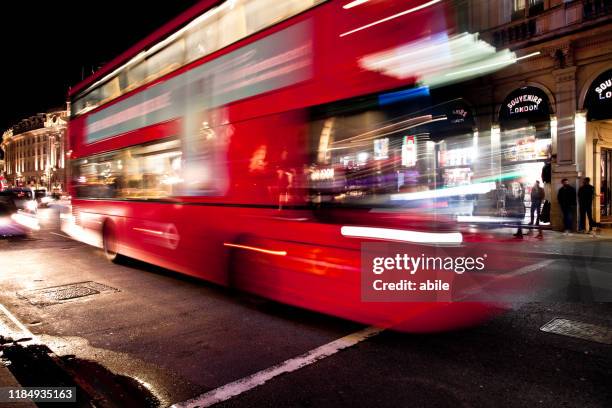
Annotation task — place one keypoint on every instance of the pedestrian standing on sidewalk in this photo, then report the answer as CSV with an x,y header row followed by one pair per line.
x,y
517,207
567,200
537,195
585,199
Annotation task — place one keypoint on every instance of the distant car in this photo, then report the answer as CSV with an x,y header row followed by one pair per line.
x,y
9,218
23,197
42,197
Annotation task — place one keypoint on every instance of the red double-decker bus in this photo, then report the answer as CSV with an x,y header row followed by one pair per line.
x,y
258,144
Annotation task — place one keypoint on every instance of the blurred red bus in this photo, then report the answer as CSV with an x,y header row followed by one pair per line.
x,y
229,145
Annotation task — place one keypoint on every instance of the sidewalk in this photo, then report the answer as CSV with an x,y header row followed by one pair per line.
x,y
556,244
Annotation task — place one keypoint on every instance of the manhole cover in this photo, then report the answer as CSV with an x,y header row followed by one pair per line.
x,y
69,293
57,294
580,330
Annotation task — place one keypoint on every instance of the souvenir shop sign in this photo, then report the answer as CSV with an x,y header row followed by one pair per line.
x,y
528,103
460,113
598,101
459,120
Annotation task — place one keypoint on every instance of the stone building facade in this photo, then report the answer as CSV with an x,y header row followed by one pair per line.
x,y
558,95
34,151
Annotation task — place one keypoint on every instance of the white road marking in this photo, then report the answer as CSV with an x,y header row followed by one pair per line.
x,y
25,332
531,268
579,330
238,387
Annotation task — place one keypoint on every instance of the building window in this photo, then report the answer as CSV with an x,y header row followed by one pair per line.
x,y
519,7
535,7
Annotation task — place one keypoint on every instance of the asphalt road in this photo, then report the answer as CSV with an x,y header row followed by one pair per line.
x,y
179,338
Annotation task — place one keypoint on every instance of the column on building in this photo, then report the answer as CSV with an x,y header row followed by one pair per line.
x,y
569,150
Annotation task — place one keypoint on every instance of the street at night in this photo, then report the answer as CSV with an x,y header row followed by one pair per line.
x,y
183,337
306,203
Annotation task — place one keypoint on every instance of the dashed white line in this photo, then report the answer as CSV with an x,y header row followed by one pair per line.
x,y
238,387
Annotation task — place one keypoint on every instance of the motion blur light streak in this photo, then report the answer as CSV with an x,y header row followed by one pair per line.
x,y
251,248
402,235
384,20
144,54
481,188
149,231
481,219
440,59
354,4
483,68
79,233
26,221
393,97
393,128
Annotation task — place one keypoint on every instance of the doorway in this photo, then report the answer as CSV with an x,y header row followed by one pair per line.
x,y
606,187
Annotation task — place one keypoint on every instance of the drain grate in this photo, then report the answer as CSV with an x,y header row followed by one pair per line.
x,y
70,293
579,330
57,294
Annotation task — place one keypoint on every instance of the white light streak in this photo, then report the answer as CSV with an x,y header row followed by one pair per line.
x,y
482,219
479,188
402,235
354,4
26,221
384,20
144,54
491,65
148,231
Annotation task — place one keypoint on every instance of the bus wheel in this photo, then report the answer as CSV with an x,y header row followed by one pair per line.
x,y
109,243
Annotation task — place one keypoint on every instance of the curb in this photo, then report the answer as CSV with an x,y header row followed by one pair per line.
x,y
8,380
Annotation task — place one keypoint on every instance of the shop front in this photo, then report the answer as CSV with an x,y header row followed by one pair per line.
x,y
598,106
526,127
455,144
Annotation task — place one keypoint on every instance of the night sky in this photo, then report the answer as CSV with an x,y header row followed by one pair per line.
x,y
47,45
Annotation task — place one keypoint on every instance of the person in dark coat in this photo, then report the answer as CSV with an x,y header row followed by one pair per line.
x,y
516,207
537,195
567,200
585,199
